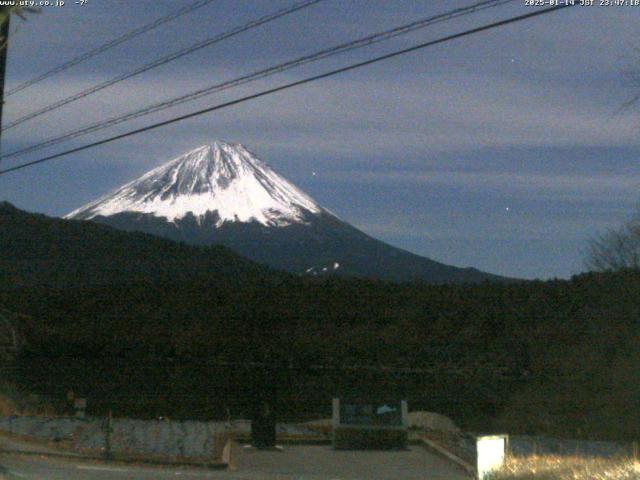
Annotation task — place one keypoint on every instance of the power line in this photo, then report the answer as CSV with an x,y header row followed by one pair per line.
x,y
109,45
260,74
163,61
287,86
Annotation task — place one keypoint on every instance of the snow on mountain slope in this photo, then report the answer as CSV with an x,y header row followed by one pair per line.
x,y
223,177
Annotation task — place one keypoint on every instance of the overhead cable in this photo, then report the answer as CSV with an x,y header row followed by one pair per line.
x,y
162,61
287,86
108,45
260,74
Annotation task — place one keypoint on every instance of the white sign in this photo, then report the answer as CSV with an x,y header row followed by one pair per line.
x,y
491,454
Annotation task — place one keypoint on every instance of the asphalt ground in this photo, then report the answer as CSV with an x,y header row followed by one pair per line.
x,y
292,462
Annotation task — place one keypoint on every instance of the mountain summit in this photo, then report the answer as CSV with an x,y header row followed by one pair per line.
x,y
223,177
222,194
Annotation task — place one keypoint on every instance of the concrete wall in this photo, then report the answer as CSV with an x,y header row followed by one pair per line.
x,y
164,438
174,439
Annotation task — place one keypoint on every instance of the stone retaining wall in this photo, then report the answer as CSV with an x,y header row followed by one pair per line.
x,y
173,439
165,438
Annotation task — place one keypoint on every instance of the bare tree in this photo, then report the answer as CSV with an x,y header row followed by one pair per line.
x,y
617,249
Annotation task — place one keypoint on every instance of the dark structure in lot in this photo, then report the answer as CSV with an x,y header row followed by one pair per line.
x,y
263,418
369,424
11,340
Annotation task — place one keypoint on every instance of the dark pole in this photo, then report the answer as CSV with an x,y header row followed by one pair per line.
x,y
4,34
108,430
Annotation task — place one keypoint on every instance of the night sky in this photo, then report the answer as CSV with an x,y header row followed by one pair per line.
x,y
505,151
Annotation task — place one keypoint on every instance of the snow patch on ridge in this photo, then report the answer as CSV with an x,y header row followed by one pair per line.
x,y
223,177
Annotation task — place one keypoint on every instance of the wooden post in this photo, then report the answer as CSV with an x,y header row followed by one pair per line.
x,y
108,455
507,448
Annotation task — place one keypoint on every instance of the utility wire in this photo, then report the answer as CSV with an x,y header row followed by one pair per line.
x,y
109,45
287,86
260,74
163,61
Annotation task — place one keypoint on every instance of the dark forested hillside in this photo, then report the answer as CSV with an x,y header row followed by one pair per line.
x,y
38,250
190,332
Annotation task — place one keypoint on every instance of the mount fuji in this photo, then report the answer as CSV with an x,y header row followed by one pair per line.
x,y
222,194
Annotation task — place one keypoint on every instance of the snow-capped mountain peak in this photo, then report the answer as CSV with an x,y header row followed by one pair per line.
x,y
222,177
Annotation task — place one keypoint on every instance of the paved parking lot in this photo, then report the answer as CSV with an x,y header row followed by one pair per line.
x,y
293,463
322,462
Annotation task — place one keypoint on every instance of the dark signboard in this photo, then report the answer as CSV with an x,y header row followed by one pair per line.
x,y
263,425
